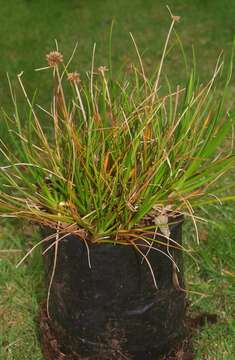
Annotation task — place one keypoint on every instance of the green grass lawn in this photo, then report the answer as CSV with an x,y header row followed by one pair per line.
x,y
28,30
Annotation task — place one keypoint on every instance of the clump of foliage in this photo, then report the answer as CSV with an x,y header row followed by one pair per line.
x,y
112,151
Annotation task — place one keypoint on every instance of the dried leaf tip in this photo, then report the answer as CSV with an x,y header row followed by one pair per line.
x,y
74,77
54,58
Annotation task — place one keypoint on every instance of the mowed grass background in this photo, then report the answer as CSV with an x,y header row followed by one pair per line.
x,y
28,30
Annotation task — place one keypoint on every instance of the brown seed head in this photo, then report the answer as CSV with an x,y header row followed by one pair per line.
x,y
103,69
176,18
54,58
74,77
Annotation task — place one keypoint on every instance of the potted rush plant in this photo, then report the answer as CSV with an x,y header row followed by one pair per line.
x,y
110,172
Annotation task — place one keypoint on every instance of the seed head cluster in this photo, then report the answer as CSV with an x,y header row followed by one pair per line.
x,y
54,58
103,69
74,77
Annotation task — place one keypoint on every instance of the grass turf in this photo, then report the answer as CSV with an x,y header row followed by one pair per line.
x,y
28,30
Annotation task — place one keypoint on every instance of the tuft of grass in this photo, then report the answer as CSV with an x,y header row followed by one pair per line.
x,y
111,151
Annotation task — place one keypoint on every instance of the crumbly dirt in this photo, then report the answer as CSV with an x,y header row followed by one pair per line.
x,y
52,351
184,351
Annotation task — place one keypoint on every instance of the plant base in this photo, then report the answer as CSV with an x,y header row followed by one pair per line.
x,y
52,349
112,310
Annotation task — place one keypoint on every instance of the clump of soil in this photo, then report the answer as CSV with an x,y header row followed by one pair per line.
x,y
93,314
52,349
